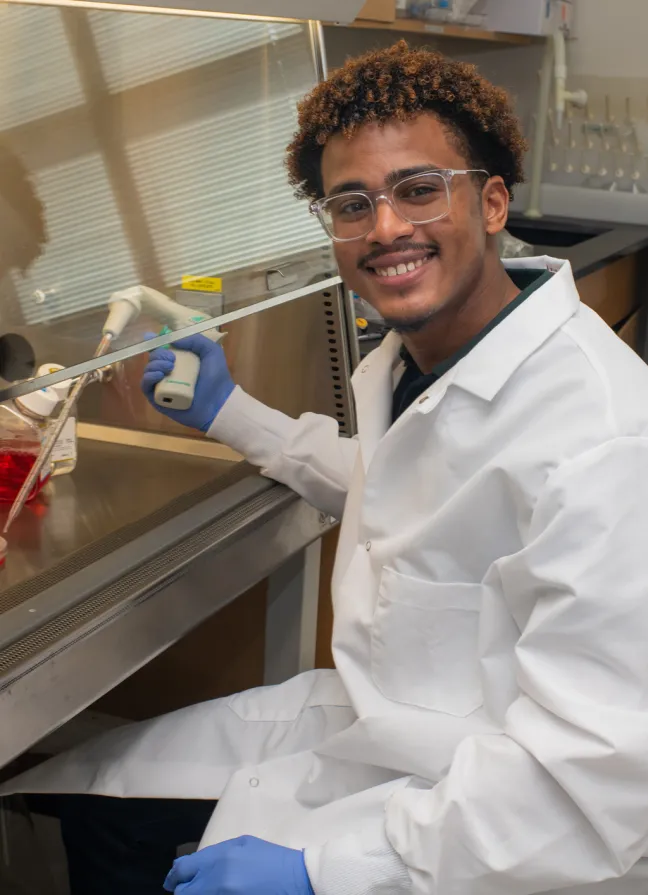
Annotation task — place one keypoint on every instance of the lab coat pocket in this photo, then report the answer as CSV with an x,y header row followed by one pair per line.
x,y
424,643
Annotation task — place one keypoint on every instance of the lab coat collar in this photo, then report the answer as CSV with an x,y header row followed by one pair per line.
x,y
492,362
373,386
482,372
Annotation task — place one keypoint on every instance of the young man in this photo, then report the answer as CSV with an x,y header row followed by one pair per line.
x,y
486,729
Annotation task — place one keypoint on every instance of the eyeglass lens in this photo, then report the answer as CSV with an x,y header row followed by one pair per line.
x,y
418,200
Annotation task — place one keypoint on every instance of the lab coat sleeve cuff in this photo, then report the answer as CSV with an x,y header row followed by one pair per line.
x,y
361,864
251,428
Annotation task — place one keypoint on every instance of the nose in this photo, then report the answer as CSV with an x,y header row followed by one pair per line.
x,y
389,225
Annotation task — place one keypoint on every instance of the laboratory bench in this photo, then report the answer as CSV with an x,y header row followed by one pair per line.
x,y
610,264
110,566
164,569
588,245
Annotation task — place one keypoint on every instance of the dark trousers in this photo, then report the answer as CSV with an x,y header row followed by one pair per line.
x,y
124,846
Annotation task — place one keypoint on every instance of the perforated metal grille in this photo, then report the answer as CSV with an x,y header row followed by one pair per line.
x,y
333,317
140,583
84,557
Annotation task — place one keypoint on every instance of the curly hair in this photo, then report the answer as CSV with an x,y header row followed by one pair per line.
x,y
400,83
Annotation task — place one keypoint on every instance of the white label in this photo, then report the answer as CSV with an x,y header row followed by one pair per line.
x,y
66,447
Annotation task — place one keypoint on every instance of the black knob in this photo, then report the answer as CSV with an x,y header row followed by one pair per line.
x,y
17,358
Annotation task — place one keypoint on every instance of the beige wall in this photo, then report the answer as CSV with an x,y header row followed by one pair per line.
x,y
610,57
611,39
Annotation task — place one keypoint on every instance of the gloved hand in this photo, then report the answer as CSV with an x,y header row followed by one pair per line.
x,y
213,387
243,866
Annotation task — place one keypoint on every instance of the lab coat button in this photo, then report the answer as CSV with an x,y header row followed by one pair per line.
x,y
368,545
254,782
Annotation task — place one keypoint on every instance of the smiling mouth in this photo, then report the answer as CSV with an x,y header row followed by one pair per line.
x,y
406,266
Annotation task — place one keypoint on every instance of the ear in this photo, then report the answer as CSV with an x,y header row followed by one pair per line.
x,y
495,205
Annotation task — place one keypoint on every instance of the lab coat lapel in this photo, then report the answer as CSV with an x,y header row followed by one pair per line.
x,y
484,371
491,363
373,387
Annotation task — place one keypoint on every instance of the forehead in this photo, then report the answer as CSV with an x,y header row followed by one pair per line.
x,y
375,150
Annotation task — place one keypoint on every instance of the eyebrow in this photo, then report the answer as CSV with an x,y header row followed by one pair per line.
x,y
392,178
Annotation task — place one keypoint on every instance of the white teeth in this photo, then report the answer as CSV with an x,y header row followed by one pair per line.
x,y
401,268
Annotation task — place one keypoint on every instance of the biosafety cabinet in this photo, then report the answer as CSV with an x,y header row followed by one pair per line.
x,y
147,148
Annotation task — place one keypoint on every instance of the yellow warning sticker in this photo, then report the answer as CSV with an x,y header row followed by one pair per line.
x,y
202,284
361,323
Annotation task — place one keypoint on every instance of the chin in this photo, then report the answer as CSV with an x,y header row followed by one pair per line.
x,y
406,301
407,314
409,324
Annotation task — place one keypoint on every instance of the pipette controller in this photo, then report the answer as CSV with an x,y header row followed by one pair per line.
x,y
175,391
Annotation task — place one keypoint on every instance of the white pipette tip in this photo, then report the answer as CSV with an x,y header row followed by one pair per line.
x,y
124,306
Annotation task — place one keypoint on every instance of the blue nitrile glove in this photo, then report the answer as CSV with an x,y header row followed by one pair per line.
x,y
213,388
243,866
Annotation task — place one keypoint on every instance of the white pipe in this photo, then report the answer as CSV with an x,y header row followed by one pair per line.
x,y
564,96
554,63
560,74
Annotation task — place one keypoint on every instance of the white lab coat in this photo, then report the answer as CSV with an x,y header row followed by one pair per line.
x,y
486,730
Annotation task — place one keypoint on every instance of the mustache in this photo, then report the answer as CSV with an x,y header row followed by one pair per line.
x,y
377,254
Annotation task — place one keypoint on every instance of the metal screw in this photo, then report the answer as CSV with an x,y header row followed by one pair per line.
x,y
41,295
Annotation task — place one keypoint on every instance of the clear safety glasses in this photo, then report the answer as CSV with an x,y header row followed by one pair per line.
x,y
418,199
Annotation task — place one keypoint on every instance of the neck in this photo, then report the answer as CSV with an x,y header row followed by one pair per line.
x,y
455,325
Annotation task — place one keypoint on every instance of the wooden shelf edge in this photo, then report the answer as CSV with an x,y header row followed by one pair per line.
x,y
432,29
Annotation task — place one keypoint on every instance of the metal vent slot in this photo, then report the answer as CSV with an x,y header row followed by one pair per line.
x,y
338,359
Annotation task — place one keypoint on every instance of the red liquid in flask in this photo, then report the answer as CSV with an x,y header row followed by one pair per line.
x,y
14,469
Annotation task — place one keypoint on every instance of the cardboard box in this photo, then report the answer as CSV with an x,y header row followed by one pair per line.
x,y
612,290
533,17
630,332
378,11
